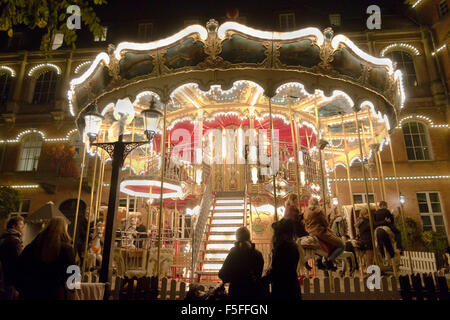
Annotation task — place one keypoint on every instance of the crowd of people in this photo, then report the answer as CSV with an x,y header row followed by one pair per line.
x,y
38,271
243,267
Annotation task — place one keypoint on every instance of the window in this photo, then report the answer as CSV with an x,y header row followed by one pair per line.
x,y
361,198
30,152
335,20
431,211
44,90
145,31
416,141
405,63
123,203
103,37
5,87
24,206
287,21
443,8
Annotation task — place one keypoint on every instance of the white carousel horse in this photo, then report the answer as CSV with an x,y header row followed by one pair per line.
x,y
386,232
129,233
166,256
94,256
309,248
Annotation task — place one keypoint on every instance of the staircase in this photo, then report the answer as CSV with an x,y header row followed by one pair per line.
x,y
226,215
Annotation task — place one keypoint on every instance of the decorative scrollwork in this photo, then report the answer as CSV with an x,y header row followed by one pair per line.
x,y
114,66
107,146
130,146
326,50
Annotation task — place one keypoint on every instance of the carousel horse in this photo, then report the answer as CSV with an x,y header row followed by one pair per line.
x,y
94,256
129,233
310,247
386,245
166,260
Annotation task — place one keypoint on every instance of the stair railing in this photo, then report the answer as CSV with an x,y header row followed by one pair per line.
x,y
200,226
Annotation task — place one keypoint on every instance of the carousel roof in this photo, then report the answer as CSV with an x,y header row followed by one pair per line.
x,y
191,66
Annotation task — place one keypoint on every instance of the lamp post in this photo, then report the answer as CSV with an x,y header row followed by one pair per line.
x,y
118,151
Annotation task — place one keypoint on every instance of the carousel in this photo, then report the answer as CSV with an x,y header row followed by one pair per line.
x,y
212,128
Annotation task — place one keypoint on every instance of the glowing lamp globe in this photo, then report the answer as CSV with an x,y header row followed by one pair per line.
x,y
335,201
151,118
93,122
402,199
124,107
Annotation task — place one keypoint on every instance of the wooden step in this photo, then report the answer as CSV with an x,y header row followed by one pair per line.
x,y
215,251
221,233
227,217
219,209
217,225
219,241
213,261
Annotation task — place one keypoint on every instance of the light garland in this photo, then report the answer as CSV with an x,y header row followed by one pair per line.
x,y
25,186
398,75
416,3
163,42
271,35
151,183
42,65
407,46
81,65
394,178
29,131
11,70
101,57
340,38
421,117
439,49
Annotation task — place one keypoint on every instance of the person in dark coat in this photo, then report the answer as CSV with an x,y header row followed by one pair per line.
x,y
285,258
10,249
292,213
43,264
365,239
383,217
243,268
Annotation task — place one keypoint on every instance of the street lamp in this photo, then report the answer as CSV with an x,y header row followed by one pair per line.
x,y
402,199
335,201
151,119
118,151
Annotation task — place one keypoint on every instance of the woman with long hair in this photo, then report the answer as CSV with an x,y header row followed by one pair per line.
x,y
285,258
43,264
316,224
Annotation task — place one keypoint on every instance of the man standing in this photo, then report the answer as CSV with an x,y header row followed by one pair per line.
x,y
383,217
10,248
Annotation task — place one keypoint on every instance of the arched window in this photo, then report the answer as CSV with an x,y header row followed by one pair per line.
x,y
30,152
405,63
5,87
416,141
44,90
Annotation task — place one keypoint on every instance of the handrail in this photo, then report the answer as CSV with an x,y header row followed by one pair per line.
x,y
200,226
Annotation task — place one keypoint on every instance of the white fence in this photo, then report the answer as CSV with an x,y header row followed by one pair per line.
x,y
422,262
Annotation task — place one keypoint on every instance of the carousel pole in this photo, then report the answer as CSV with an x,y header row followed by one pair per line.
x,y
402,214
295,150
333,163
376,155
321,148
366,149
163,164
348,172
79,193
90,212
271,160
100,184
366,187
